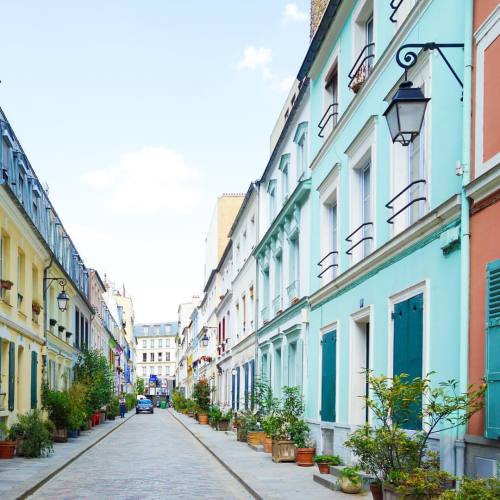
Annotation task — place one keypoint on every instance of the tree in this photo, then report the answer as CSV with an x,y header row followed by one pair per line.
x,y
139,386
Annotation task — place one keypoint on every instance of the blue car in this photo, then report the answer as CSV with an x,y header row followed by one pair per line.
x,y
144,406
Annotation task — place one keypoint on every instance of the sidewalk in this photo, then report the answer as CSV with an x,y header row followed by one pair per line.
x,y
260,475
19,476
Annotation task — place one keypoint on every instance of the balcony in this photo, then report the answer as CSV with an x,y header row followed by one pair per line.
x,y
363,233
329,261
292,291
265,314
277,305
415,196
362,68
331,115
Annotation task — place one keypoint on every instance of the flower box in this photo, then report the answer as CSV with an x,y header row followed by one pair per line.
x,y
283,451
6,284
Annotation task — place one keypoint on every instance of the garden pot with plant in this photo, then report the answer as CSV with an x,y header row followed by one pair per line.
x,y
58,406
201,394
377,490
324,462
350,480
304,446
224,421
7,443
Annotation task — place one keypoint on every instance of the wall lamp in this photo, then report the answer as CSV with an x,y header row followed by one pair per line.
x,y
62,297
406,111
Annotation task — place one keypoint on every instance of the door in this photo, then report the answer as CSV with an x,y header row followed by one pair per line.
x,y
408,341
12,375
328,376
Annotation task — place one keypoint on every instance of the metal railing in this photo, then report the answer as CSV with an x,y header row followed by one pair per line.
x,y
292,290
277,304
389,205
394,5
331,113
364,238
362,67
333,265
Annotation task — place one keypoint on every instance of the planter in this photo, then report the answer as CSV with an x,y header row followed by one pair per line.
x,y
7,449
377,492
268,444
389,492
304,456
190,414
203,419
347,486
102,417
241,434
73,434
283,451
223,425
255,438
6,284
324,468
60,436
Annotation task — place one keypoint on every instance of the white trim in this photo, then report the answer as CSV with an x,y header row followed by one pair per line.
x,y
487,33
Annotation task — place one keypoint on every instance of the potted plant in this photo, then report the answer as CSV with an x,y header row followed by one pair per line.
x,y
270,425
7,443
324,462
487,489
201,394
36,307
359,79
77,418
304,447
57,405
33,434
6,284
420,483
225,419
350,480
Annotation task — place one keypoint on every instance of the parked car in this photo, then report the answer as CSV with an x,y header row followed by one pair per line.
x,y
144,406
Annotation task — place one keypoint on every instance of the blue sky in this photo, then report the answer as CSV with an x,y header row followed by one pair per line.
x,y
138,113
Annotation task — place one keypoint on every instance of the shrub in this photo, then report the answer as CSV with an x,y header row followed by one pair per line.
x,y
299,433
130,401
178,400
201,394
58,406
328,459
113,408
78,403
474,489
35,434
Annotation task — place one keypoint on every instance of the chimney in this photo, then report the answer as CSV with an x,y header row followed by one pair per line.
x,y
318,8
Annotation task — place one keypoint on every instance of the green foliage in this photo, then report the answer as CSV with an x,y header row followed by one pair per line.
x,y
130,401
352,474
214,415
78,402
474,489
262,400
113,408
35,434
93,370
247,420
139,386
386,448
328,459
58,406
420,483
299,433
274,426
178,400
201,394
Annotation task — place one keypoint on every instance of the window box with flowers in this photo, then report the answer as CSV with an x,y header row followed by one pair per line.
x,y
6,284
36,308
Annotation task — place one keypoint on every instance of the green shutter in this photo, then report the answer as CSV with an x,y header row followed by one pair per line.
x,y
12,374
408,339
34,379
492,361
328,376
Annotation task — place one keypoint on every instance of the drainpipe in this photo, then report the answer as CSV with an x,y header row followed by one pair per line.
x,y
465,224
256,293
45,290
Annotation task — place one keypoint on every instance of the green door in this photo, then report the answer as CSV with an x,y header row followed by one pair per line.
x,y
328,376
34,379
492,361
12,374
408,339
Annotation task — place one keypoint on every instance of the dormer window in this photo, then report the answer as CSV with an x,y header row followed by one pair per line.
x,y
301,140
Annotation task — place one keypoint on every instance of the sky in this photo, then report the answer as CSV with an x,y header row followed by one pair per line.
x,y
138,114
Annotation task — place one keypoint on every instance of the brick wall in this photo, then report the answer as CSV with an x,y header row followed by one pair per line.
x,y
317,10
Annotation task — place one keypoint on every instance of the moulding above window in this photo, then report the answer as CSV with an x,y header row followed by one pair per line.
x,y
292,333
362,137
330,180
284,161
300,131
271,186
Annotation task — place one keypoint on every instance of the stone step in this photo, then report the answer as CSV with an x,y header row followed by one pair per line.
x,y
256,447
327,480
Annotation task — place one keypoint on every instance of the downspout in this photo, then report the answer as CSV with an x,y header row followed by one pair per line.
x,y
256,293
465,225
45,289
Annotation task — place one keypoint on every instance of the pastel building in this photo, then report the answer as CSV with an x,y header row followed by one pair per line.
x,y
386,265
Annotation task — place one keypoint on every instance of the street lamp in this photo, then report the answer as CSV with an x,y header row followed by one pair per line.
x,y
205,340
62,297
406,113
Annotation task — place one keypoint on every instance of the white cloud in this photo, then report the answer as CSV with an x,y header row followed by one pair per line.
x,y
285,84
293,13
255,58
155,179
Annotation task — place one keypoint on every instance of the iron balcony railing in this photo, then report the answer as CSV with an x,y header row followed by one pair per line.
x,y
292,291
322,262
265,313
390,205
362,67
331,113
395,4
364,236
277,305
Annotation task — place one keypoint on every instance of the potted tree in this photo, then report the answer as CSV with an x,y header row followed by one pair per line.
x,y
350,480
77,398
324,462
57,404
201,394
304,447
224,420
33,434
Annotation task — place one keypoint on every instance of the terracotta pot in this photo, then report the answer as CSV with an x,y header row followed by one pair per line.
x,y
305,456
324,468
348,486
60,436
203,418
7,449
376,489
256,437
268,444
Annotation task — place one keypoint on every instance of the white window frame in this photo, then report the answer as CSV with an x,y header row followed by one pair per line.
x,y
360,16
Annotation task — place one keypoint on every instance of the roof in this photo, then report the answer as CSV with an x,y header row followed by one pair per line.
x,y
170,328
248,195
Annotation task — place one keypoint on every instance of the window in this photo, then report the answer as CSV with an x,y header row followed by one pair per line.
x,y
167,356
159,357
152,343
365,184
160,343
271,191
369,41
145,330
167,342
265,294
277,284
144,344
363,55
144,357
301,156
144,371
160,370
151,356
284,164
330,102
21,269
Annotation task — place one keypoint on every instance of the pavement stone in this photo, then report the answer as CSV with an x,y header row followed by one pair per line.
x,y
20,475
149,457
267,479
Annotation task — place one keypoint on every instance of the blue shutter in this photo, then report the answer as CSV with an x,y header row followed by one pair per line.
x,y
238,388
408,338
233,392
492,360
252,381
12,374
246,386
328,376
34,379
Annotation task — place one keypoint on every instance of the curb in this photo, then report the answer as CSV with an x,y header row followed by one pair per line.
x,y
47,478
226,466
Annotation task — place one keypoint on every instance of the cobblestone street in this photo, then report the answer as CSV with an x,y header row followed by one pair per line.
x,y
150,456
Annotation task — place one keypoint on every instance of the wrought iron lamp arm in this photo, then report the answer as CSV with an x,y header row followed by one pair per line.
x,y
62,281
409,59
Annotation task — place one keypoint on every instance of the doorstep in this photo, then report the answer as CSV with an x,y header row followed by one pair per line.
x,y
327,480
19,477
256,447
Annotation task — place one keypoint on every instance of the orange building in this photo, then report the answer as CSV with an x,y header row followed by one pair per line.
x,y
483,439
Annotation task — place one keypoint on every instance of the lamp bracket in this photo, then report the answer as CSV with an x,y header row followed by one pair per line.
x,y
410,57
62,281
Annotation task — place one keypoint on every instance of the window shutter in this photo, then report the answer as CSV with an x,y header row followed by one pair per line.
x,y
12,375
238,388
252,381
34,379
492,361
328,376
233,391
407,356
246,386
